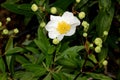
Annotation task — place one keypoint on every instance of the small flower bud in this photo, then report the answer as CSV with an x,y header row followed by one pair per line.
x,y
81,15
85,34
42,24
85,24
98,41
16,31
78,1
53,10
97,49
34,7
55,41
5,31
91,45
105,62
0,23
8,19
105,33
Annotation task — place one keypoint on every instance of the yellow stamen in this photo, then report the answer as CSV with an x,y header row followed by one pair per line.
x,y
63,27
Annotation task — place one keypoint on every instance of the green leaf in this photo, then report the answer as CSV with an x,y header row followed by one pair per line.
x,y
92,57
48,77
98,76
56,76
14,50
60,3
33,50
36,69
9,44
3,76
67,63
82,3
104,18
21,59
23,9
103,54
2,65
70,51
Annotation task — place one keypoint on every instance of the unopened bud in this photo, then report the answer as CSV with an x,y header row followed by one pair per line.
x,y
85,34
0,23
78,1
8,19
91,45
105,62
85,24
53,10
42,24
81,15
105,33
34,7
16,31
98,41
97,49
5,31
55,41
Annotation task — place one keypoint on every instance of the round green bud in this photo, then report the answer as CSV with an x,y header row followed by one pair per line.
x,y
85,34
42,24
34,7
15,30
98,41
78,1
97,49
5,31
105,62
85,24
53,10
55,41
105,33
81,15
0,23
8,19
91,45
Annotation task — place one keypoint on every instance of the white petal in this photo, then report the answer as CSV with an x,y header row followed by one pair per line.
x,y
51,25
55,18
72,31
70,18
60,37
53,34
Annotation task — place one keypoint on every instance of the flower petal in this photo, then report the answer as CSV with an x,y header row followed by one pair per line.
x,y
55,18
70,18
51,25
72,31
60,37
53,34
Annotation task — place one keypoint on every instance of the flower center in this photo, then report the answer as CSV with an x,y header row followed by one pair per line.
x,y
63,27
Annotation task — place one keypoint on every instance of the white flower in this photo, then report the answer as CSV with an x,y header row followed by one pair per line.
x,y
60,26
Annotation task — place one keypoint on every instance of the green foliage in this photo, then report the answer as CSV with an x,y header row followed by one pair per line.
x,y
73,58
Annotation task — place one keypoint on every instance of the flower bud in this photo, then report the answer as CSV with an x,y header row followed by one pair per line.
x,y
16,31
0,23
8,19
105,33
78,1
85,24
91,45
98,41
55,41
42,24
85,34
5,31
34,7
53,10
105,62
81,15
97,49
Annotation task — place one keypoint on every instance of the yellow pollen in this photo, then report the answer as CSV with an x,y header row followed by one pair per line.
x,y
63,27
